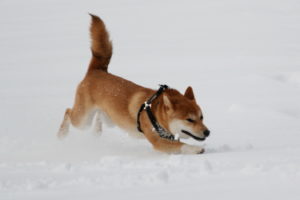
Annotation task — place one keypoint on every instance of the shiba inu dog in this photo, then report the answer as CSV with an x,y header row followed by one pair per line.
x,y
162,116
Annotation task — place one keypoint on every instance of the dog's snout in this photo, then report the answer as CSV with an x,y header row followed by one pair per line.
x,y
206,133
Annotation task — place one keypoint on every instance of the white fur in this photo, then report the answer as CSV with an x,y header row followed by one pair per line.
x,y
191,149
98,124
96,114
106,119
176,126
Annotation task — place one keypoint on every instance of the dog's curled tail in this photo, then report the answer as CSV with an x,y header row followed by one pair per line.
x,y
101,45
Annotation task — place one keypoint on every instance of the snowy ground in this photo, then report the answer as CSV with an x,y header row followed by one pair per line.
x,y
241,57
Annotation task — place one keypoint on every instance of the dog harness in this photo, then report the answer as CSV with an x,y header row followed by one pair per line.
x,y
156,126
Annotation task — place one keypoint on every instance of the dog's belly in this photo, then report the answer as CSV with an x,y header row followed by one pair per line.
x,y
124,124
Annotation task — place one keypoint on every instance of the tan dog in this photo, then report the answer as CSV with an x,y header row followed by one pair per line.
x,y
112,98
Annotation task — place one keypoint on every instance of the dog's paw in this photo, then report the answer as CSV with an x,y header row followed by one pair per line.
x,y
97,130
63,132
191,149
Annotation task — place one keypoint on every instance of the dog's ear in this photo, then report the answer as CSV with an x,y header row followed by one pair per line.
x,y
167,101
189,93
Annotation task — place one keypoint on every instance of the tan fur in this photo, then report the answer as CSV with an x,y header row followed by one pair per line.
x,y
119,99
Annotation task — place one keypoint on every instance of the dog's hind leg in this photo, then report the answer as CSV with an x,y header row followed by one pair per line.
x,y
80,116
65,125
97,129
106,120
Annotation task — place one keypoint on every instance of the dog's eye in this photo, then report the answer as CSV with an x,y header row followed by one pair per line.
x,y
190,120
201,118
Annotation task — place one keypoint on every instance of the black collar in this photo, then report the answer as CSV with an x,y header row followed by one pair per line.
x,y
147,106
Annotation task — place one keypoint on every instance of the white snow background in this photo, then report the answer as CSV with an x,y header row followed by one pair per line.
x,y
241,57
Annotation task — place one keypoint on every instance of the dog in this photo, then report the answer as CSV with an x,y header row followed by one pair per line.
x,y
162,117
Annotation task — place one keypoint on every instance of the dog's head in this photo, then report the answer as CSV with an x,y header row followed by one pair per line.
x,y
183,114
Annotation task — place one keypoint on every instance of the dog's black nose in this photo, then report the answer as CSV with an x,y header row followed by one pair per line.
x,y
206,133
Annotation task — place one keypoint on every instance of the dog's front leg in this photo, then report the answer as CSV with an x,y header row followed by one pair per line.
x,y
166,145
171,146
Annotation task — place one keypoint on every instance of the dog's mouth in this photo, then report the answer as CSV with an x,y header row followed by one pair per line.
x,y
193,136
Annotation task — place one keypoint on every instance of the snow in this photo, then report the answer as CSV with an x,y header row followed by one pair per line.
x,y
241,57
